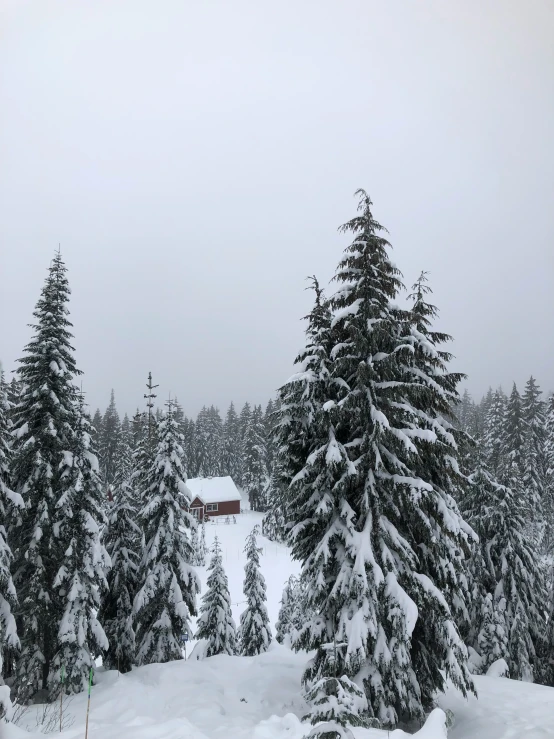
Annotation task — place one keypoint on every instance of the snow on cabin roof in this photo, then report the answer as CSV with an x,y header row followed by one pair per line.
x,y
213,489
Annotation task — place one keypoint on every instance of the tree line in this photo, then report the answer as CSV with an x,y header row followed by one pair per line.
x,y
240,445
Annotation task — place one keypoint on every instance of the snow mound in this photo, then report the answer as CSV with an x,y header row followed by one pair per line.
x,y
499,669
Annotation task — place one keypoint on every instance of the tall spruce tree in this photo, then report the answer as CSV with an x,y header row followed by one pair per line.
x,y
274,521
97,426
46,430
124,544
231,445
255,631
549,476
513,438
534,458
373,501
508,573
189,446
201,442
110,440
442,548
464,412
215,623
269,437
298,403
511,470
80,578
244,420
492,431
285,621
9,641
168,585
143,455
254,476
214,443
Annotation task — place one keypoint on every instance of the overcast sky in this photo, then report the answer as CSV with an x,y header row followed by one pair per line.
x,y
194,160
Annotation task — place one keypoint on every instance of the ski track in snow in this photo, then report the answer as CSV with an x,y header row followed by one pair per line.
x,y
259,697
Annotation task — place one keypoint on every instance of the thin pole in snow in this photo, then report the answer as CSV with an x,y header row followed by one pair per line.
x,y
62,676
88,703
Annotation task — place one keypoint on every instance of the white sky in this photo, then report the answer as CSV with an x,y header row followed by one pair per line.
x,y
194,160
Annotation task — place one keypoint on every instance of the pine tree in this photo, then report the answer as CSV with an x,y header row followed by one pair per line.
x,y
269,437
189,446
285,621
464,412
431,390
231,445
214,443
97,428
300,401
492,431
377,529
123,541
110,440
534,459
9,641
151,419
80,578
244,420
336,702
482,412
274,521
143,456
166,598
513,438
511,573
46,421
201,439
511,472
215,623
254,475
127,431
194,545
255,631
548,505
202,548
492,641
138,426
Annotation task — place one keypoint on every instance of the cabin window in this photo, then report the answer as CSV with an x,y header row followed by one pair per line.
x,y
212,507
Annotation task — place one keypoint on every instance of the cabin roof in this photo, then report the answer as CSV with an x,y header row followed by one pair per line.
x,y
213,489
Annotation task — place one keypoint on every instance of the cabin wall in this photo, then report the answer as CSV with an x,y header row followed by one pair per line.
x,y
228,508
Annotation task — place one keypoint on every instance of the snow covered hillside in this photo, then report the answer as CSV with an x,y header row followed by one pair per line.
x,y
259,697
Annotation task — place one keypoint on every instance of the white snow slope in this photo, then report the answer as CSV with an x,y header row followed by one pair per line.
x,y
259,697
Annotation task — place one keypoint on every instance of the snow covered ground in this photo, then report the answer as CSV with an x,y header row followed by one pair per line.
x,y
259,697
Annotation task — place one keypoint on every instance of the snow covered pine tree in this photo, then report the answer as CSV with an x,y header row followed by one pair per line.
x,y
80,578
9,500
168,584
254,470
215,623
377,531
255,631
109,441
285,620
123,541
48,432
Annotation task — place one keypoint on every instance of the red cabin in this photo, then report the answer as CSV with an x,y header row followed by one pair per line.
x,y
213,496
